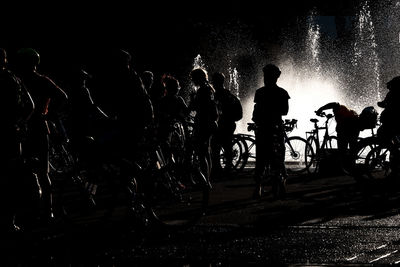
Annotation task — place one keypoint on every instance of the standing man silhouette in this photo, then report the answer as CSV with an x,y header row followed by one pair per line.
x,y
50,101
229,111
271,102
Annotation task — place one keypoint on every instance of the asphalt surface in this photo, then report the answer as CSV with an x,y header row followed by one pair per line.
x,y
324,220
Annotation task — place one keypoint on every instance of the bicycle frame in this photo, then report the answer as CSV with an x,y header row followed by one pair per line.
x,y
315,133
288,127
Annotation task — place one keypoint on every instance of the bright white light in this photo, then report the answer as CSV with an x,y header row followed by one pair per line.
x,y
307,93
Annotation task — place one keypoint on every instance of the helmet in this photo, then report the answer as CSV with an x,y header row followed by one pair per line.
x,y
29,57
394,83
368,118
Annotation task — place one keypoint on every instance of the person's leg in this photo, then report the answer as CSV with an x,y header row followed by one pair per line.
x,y
343,143
352,153
227,143
7,200
261,160
215,142
278,168
395,157
43,176
203,148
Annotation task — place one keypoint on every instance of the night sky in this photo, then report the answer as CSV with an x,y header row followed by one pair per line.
x,y
162,36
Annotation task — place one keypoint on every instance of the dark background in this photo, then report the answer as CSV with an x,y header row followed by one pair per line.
x,y
162,36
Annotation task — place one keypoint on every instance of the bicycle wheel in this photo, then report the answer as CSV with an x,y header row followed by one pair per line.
x,y
237,154
377,162
178,201
362,149
61,160
248,147
297,154
311,157
364,146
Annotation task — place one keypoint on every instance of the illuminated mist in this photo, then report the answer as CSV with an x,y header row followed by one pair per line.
x,y
350,65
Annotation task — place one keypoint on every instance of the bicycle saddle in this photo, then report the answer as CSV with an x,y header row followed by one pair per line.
x,y
314,120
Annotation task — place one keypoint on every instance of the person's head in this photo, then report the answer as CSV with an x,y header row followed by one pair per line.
x,y
3,58
271,73
27,59
199,76
368,118
147,79
218,80
171,85
393,83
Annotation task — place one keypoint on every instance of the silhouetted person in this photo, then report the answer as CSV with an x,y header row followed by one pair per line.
x,y
156,90
49,101
124,99
87,122
229,111
85,116
271,103
173,113
389,130
16,109
172,106
205,121
347,127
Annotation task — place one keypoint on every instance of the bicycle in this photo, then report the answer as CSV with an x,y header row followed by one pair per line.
x,y
373,157
318,148
238,151
178,194
295,148
69,180
154,188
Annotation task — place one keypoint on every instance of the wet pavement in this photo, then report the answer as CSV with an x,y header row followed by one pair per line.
x,y
324,220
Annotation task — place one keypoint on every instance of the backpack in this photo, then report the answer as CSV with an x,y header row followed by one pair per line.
x,y
235,108
368,118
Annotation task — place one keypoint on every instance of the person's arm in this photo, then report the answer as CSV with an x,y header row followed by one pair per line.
x,y
285,105
59,97
184,109
255,115
331,105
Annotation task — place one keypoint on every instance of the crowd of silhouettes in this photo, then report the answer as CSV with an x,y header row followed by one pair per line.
x,y
112,107
106,114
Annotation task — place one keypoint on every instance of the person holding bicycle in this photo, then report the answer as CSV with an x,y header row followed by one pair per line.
x,y
128,105
49,101
389,130
229,111
348,127
206,118
271,103
172,106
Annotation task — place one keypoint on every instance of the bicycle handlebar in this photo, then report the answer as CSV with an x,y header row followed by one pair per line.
x,y
287,124
323,114
251,126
